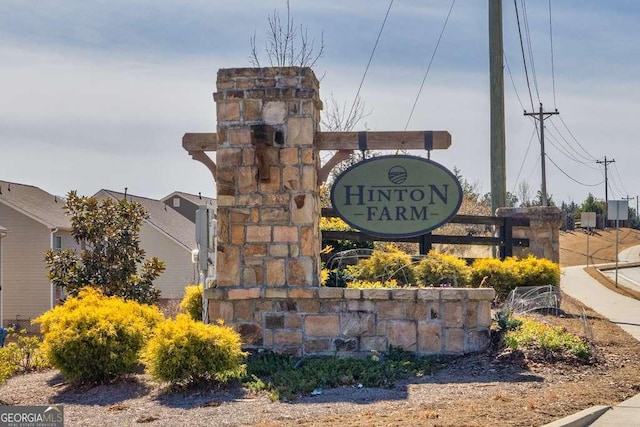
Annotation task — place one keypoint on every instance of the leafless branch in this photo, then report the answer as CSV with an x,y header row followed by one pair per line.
x,y
286,45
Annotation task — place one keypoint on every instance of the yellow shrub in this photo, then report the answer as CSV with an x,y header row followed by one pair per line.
x,y
96,339
184,351
384,265
438,268
504,276
191,303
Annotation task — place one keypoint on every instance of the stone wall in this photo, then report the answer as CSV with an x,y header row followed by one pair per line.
x,y
543,232
305,320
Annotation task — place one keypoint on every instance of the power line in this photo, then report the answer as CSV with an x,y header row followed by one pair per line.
x,y
426,73
571,178
524,158
553,74
568,150
370,58
524,60
593,158
615,167
530,47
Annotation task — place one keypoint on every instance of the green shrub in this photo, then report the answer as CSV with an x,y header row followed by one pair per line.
x,y
554,341
288,379
438,269
366,284
92,338
384,265
184,351
191,303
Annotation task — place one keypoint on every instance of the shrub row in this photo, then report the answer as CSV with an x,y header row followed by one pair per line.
x,y
93,338
393,267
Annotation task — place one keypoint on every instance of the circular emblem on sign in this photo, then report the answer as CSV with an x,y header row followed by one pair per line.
x,y
397,174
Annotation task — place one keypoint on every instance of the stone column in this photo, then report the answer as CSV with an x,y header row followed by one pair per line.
x,y
267,179
543,232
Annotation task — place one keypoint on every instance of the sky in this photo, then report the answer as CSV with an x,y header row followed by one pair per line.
x,y
98,94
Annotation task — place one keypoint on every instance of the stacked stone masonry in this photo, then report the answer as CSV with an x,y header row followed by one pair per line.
x,y
268,197
306,320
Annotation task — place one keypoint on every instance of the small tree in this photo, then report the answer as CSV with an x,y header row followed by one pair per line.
x,y
108,234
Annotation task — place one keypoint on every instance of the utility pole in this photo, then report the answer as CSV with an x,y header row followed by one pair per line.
x,y
541,116
496,89
606,162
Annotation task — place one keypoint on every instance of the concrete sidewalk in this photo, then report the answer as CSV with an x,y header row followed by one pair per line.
x,y
621,310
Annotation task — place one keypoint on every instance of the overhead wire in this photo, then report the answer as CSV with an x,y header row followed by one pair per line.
x,y
570,177
524,59
530,48
593,158
355,99
553,74
572,153
426,73
615,167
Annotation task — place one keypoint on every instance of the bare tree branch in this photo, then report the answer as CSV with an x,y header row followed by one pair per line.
x,y
286,45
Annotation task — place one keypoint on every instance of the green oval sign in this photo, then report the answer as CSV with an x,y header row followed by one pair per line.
x,y
396,196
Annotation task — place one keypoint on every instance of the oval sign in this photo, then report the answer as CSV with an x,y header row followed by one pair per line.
x,y
396,196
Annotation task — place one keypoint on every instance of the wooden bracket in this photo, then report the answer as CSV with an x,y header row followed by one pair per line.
x,y
339,156
203,158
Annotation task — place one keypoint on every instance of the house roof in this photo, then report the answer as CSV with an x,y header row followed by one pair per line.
x,y
165,219
193,198
35,203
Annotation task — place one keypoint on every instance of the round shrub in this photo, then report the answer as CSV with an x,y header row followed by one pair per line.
x,y
92,338
191,303
438,269
184,351
384,265
538,272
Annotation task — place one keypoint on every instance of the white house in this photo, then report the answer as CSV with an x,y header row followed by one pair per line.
x,y
34,222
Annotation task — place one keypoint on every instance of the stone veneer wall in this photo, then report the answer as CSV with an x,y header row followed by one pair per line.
x,y
319,321
543,232
268,260
268,196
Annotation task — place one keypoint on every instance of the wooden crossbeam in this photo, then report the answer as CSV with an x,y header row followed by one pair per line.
x,y
411,140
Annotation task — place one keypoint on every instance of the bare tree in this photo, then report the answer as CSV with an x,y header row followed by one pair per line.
x,y
287,45
524,193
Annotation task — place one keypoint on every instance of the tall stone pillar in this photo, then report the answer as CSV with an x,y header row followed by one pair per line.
x,y
543,232
267,179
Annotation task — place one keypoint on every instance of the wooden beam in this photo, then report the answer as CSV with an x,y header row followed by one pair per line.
x,y
411,140
200,141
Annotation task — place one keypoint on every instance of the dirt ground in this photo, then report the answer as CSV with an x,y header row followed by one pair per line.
x,y
494,388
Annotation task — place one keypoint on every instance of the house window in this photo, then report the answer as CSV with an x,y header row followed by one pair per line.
x,y
57,243
176,202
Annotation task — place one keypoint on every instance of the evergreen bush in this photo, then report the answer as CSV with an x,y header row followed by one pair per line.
x,y
93,338
437,269
183,351
191,303
384,265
